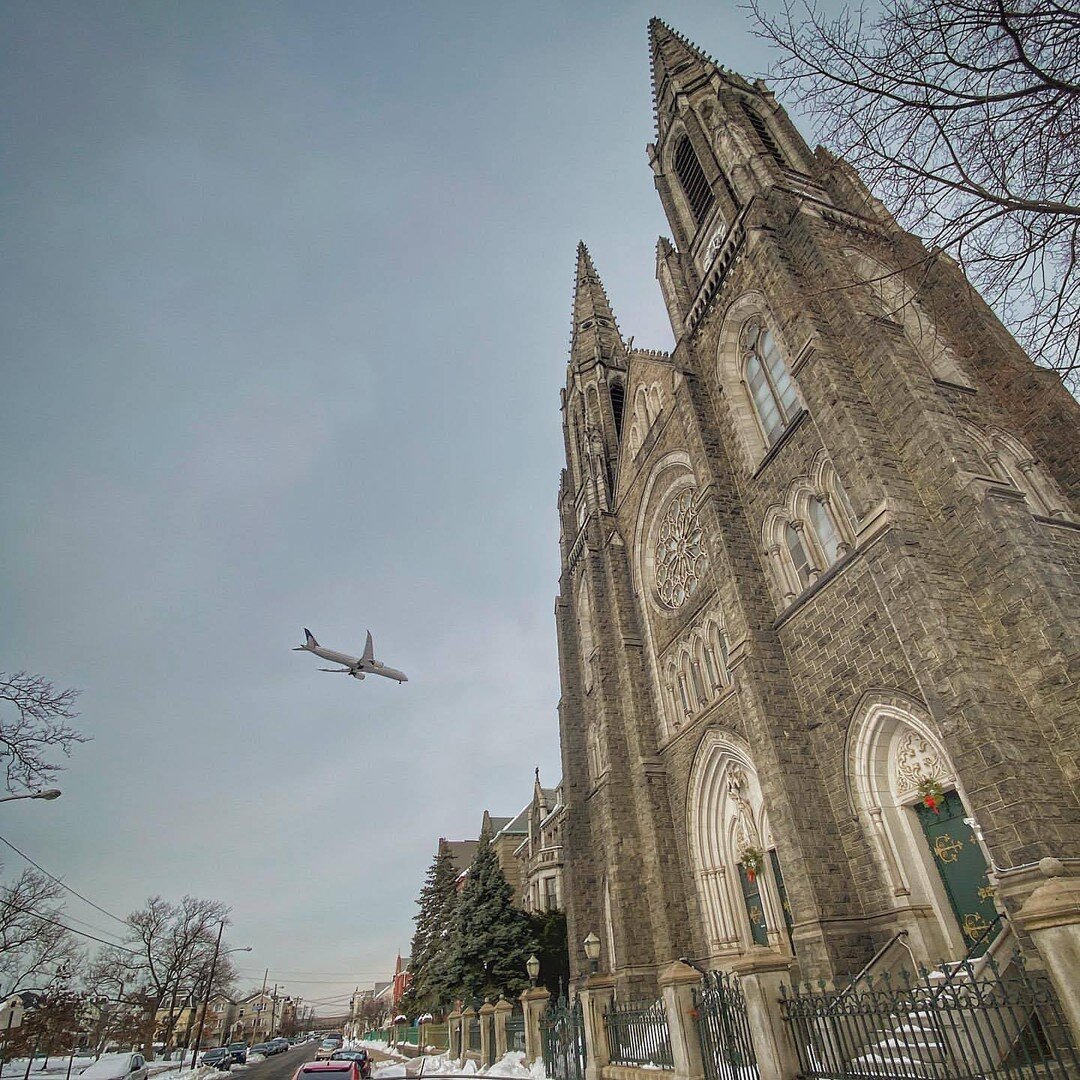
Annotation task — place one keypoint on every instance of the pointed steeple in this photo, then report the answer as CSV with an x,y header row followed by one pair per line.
x,y
674,61
595,335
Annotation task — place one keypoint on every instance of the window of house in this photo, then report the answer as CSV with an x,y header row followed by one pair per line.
x,y
776,401
692,178
551,894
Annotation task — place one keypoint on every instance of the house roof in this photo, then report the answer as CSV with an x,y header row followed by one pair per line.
x,y
462,852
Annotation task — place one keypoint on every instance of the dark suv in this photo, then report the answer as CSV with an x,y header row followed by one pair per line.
x,y
239,1052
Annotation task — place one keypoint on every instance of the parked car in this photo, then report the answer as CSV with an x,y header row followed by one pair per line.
x,y
219,1056
280,1044
328,1070
128,1066
261,1048
361,1057
239,1051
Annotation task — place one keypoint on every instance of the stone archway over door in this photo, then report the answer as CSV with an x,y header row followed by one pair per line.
x,y
929,859
742,906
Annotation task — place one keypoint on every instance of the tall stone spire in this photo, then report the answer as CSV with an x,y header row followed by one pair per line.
x,y
595,336
674,62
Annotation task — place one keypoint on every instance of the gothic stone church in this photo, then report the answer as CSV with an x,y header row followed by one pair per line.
x,y
817,616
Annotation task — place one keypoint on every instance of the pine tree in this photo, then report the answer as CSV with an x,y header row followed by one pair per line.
x,y
490,940
436,903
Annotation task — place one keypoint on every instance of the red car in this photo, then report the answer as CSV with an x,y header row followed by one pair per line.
x,y
328,1070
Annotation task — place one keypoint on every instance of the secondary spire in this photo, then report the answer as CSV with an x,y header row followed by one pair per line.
x,y
595,335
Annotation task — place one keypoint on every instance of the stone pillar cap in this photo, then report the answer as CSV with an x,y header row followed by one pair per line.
x,y
759,958
486,1008
502,1005
470,1011
677,972
535,993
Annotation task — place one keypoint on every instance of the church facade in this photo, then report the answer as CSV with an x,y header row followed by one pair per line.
x,y
817,613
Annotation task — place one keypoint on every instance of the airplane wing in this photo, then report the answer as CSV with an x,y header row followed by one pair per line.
x,y
369,650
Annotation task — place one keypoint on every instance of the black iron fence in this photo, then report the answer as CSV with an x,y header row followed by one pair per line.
x,y
727,1050
977,1022
637,1034
515,1032
474,1033
562,1040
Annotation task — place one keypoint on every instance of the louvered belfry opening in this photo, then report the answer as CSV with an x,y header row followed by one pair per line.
x,y
763,132
692,178
617,399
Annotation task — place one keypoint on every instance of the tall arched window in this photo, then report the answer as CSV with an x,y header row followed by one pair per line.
x,y
761,129
799,559
776,401
692,178
828,538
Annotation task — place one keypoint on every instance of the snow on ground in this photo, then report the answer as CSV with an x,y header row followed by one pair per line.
x,y
510,1067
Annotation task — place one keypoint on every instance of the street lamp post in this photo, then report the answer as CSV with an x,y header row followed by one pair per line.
x,y
532,966
50,794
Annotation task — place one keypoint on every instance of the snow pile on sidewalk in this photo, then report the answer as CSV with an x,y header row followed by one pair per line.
x,y
510,1067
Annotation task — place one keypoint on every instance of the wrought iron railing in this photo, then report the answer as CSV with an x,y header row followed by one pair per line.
x,y
727,1049
984,1022
637,1034
474,1033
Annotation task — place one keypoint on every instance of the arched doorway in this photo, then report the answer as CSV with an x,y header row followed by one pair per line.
x,y
737,869
904,789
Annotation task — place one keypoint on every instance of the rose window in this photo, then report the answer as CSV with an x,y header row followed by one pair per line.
x,y
681,560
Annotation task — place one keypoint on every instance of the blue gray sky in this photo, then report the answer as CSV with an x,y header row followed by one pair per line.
x,y
286,296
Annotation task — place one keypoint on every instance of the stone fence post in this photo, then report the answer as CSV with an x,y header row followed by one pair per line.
x,y
503,1012
677,982
597,992
534,1003
487,1011
467,1017
760,973
453,1034
1051,915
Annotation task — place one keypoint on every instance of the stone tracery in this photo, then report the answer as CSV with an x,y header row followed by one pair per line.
x,y
681,559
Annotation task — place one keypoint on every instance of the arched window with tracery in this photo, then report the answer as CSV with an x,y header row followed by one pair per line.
x,y
805,571
771,388
828,538
692,180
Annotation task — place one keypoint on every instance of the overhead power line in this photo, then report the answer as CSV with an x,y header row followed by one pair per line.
x,y
62,884
71,929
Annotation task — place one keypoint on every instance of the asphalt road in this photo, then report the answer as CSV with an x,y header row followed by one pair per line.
x,y
282,1066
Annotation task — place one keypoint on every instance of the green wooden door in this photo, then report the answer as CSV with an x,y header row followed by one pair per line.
x,y
959,861
778,877
751,891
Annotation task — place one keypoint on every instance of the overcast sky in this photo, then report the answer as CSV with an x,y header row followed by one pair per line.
x,y
286,304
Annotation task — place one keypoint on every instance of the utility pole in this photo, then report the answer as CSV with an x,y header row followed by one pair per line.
x,y
273,1011
206,998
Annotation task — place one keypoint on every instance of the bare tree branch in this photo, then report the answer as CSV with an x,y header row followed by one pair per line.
x,y
36,731
964,116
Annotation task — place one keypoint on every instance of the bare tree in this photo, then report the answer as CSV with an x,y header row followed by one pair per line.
x,y
37,730
963,116
34,946
165,963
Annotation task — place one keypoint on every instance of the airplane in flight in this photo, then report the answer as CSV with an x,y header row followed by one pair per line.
x,y
357,668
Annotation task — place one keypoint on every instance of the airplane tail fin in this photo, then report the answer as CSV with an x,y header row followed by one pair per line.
x,y
309,640
369,648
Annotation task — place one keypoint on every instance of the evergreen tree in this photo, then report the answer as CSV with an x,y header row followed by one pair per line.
x,y
490,940
436,903
549,931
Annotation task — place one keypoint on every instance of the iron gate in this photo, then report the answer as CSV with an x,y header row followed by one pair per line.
x,y
727,1050
965,1021
515,1032
562,1039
